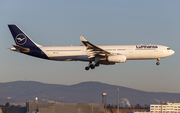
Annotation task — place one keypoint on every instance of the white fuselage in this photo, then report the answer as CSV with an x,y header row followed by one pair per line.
x,y
132,52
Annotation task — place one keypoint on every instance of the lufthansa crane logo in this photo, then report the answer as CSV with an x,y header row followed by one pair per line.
x,y
20,39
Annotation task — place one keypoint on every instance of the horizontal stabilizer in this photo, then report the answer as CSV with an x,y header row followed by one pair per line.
x,y
21,49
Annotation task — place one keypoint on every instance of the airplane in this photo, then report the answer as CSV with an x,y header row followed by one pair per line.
x,y
95,55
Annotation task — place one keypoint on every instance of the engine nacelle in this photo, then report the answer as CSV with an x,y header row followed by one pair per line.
x,y
117,58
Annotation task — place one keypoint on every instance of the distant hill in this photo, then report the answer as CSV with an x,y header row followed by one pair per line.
x,y
22,91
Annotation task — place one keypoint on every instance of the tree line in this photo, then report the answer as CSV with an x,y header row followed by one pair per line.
x,y
9,105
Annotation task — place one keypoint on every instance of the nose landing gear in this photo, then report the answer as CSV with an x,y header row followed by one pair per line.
x,y
157,63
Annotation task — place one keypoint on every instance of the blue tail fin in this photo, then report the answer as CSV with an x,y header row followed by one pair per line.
x,y
24,44
20,37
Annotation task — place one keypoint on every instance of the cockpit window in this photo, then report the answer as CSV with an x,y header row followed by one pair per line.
x,y
168,49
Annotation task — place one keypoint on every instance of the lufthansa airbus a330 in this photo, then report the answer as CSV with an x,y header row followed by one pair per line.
x,y
95,55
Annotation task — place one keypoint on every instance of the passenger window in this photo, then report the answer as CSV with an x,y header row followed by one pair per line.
x,y
168,48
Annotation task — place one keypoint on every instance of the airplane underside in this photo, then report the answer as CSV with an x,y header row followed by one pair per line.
x,y
83,58
92,62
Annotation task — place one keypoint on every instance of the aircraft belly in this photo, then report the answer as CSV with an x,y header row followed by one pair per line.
x,y
70,58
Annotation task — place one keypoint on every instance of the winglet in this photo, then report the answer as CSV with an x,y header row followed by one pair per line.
x,y
83,39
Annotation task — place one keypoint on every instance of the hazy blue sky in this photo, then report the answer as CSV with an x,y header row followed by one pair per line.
x,y
102,22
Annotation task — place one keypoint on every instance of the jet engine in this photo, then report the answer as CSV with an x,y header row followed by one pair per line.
x,y
117,58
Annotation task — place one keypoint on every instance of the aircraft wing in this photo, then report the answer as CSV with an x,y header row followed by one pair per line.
x,y
92,49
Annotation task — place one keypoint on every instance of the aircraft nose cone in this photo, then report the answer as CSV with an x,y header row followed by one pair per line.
x,y
169,53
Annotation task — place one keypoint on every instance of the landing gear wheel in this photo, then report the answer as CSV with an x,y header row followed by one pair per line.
x,y
97,64
86,68
92,66
157,63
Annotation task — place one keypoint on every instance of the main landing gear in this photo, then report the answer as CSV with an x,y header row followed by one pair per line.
x,y
157,63
91,65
